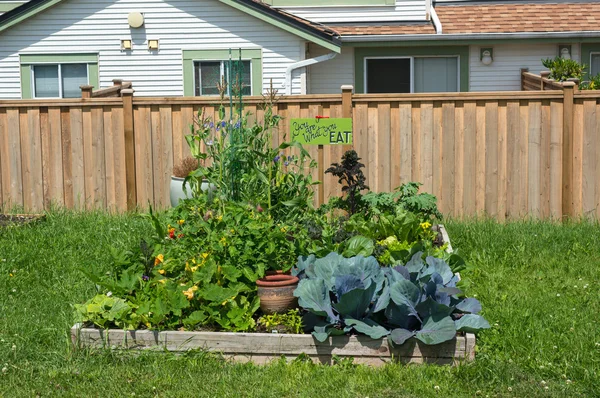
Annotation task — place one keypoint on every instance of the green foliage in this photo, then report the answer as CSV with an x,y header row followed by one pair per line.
x,y
419,299
562,69
290,322
202,270
592,84
242,164
350,175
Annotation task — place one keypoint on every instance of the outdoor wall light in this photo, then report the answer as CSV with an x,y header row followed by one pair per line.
x,y
153,44
135,19
565,52
125,44
486,56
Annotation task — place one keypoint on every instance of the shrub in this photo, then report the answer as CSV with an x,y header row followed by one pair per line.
x,y
185,167
562,69
592,84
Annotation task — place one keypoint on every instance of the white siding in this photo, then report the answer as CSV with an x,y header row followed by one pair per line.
x,y
77,26
504,73
329,76
404,10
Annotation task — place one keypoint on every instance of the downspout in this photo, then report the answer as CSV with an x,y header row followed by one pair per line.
x,y
436,21
306,62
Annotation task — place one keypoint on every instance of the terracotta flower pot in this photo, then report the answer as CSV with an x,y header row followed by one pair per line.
x,y
276,293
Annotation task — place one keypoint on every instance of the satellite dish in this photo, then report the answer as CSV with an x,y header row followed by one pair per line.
x,y
135,19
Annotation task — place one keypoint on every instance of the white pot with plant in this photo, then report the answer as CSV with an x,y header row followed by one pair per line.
x,y
180,189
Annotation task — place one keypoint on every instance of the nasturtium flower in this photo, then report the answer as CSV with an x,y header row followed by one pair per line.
x,y
161,271
425,225
180,222
204,255
159,259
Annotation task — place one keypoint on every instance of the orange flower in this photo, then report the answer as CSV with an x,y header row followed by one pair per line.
x,y
159,259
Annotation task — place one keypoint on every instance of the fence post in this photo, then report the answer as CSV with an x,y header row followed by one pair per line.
x,y
347,110
567,166
86,91
544,75
128,128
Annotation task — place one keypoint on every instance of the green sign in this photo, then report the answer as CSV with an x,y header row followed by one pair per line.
x,y
322,131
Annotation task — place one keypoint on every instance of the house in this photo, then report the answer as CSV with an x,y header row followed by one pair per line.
x,y
48,48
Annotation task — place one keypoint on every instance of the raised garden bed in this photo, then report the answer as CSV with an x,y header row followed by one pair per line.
x,y
262,348
7,220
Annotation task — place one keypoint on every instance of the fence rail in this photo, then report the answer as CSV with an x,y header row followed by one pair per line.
x,y
507,154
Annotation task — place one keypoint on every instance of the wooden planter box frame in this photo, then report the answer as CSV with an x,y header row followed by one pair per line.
x,y
32,218
262,348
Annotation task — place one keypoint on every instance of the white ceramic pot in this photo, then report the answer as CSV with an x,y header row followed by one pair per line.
x,y
177,192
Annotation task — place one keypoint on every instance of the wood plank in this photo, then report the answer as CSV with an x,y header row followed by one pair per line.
x,y
395,151
119,153
35,143
480,158
470,158
491,158
523,160
556,162
88,157
416,142
109,160
534,171
178,135
46,168
512,162
405,133
545,161
78,157
577,166
5,199
459,160
143,159
370,161
55,170
426,147
24,148
98,179
187,121
502,160
13,141
67,157
448,157
437,154
597,170
384,155
589,154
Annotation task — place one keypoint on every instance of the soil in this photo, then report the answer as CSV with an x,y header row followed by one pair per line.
x,y
17,219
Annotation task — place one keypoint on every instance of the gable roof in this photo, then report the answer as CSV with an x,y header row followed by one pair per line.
x,y
519,17
308,30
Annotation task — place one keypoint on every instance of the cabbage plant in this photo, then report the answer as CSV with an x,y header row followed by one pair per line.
x,y
356,295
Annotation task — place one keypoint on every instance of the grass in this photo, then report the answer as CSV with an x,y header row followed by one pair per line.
x,y
538,283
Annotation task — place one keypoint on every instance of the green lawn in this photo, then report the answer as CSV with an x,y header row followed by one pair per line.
x,y
538,283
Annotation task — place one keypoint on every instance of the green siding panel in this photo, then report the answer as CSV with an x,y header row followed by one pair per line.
x,y
361,53
586,54
26,82
189,56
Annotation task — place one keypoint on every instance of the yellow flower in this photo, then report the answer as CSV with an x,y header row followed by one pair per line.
x,y
189,294
223,241
219,218
425,225
162,281
171,229
159,259
180,222
232,231
11,275
193,269
283,229
194,288
161,271
204,256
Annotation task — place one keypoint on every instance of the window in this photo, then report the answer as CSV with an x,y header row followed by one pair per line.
x,y
57,75
412,75
59,81
203,69
594,64
209,74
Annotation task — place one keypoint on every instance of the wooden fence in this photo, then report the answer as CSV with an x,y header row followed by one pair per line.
x,y
504,154
533,82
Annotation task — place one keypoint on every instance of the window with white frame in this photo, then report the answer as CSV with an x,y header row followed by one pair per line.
x,y
209,74
594,64
59,80
411,74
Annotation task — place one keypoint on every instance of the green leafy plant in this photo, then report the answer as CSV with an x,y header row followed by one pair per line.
x,y
592,84
355,295
562,69
350,175
290,322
